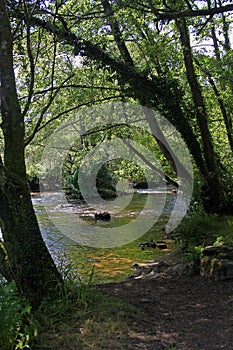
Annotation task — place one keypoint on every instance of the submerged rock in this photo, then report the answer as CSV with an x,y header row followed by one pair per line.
x,y
150,244
161,245
105,216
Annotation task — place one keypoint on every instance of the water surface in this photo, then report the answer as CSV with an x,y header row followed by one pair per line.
x,y
112,263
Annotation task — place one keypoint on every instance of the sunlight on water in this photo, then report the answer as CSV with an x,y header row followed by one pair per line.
x,y
109,263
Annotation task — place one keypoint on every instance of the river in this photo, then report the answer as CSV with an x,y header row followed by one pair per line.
x,y
110,263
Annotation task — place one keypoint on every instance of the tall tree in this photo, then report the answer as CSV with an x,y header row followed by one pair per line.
x,y
24,255
214,189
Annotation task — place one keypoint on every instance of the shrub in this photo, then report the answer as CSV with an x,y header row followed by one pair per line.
x,y
197,229
16,326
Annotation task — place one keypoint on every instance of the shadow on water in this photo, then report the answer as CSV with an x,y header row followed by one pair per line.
x,y
113,263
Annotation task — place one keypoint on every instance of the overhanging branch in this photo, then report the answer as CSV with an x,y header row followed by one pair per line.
x,y
154,92
162,14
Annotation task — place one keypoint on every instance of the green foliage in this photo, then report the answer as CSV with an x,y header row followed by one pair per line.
x,y
78,293
20,326
193,255
219,240
200,229
86,322
78,287
197,228
126,169
86,294
17,326
105,182
64,83
224,228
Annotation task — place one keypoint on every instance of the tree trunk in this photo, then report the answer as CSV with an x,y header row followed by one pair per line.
x,y
213,189
225,115
28,259
225,111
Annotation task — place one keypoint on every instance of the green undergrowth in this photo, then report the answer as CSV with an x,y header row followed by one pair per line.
x,y
199,229
17,326
96,326
83,318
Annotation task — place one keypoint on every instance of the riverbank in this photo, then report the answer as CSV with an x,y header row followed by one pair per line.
x,y
144,311
189,313
182,313
185,313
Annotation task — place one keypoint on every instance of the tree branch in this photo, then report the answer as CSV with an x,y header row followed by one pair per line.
x,y
117,33
156,92
73,109
162,14
226,117
32,72
150,165
44,110
76,86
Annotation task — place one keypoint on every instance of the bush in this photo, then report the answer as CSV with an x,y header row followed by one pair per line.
x,y
193,255
197,229
16,326
105,183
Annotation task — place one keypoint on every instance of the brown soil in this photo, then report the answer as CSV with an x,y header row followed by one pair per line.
x,y
185,313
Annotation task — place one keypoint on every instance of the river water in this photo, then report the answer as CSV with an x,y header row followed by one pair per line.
x,y
110,263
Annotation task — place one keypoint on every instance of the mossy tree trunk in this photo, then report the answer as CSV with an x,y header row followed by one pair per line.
x,y
23,253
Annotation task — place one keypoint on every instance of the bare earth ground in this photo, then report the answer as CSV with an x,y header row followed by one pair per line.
x,y
182,313
185,313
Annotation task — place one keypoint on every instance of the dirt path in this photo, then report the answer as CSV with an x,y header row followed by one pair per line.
x,y
188,313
